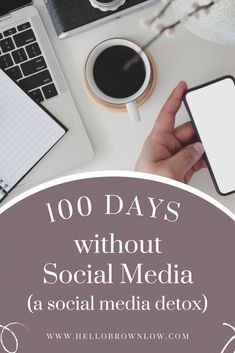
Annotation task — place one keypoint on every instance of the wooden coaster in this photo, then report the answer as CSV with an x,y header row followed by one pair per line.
x,y
141,100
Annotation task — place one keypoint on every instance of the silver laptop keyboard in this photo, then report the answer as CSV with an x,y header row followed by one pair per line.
x,y
21,58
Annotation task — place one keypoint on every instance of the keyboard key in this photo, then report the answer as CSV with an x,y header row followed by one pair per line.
x,y
14,72
7,45
24,38
33,50
37,95
1,36
19,55
9,32
6,61
35,81
33,66
24,26
50,91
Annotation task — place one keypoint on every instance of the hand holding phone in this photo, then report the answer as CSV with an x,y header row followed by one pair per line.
x,y
211,107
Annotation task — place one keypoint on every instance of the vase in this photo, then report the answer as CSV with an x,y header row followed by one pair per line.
x,y
216,26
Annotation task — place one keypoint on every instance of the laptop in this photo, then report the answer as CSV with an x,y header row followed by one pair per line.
x,y
28,58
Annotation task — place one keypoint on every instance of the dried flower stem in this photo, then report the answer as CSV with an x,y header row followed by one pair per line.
x,y
172,26
161,13
178,22
201,7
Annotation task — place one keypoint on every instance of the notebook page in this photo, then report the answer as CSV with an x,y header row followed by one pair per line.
x,y
26,132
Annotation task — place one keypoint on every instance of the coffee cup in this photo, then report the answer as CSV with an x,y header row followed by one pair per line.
x,y
120,75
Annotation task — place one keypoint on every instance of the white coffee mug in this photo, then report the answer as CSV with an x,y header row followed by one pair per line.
x,y
131,101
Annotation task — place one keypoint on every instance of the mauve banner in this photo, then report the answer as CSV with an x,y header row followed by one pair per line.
x,y
116,264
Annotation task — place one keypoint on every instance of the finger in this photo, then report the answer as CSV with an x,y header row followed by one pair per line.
x,y
166,118
199,165
181,163
188,176
204,164
184,133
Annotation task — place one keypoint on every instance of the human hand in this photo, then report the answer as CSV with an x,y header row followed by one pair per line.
x,y
169,151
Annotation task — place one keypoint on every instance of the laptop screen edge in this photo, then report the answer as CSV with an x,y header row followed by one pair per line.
x,y
12,5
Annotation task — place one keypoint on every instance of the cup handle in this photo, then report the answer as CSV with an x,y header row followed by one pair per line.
x,y
133,111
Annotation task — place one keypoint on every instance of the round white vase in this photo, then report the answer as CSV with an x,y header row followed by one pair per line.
x,y
217,26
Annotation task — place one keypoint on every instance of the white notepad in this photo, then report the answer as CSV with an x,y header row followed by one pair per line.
x,y
27,133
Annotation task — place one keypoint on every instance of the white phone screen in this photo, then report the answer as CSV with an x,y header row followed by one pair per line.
x,y
212,109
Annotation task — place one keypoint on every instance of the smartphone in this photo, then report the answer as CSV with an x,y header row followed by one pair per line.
x,y
211,107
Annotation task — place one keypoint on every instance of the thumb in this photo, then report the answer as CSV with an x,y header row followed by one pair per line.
x,y
185,159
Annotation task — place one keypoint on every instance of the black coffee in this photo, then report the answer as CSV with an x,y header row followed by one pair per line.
x,y
111,76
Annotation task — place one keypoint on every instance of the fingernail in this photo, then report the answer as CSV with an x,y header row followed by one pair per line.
x,y
181,83
198,146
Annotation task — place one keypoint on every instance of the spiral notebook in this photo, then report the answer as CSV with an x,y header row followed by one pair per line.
x,y
27,133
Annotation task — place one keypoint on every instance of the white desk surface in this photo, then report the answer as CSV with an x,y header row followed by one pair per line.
x,y
117,141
